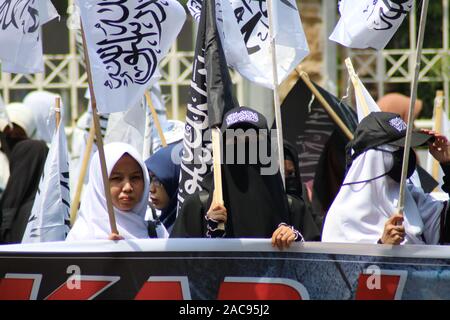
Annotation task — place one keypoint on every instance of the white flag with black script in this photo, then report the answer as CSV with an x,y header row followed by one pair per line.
x,y
126,40
244,29
49,219
20,34
368,23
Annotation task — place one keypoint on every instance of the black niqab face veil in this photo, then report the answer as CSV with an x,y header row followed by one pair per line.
x,y
256,202
293,183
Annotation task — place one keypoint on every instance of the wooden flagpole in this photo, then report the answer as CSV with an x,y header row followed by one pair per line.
x,y
101,151
217,171
156,119
57,111
326,105
438,115
276,96
358,90
84,166
414,85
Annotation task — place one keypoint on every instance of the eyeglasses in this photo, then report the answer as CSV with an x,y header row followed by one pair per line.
x,y
154,180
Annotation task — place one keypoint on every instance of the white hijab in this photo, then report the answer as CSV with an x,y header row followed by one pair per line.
x,y
93,221
21,115
359,212
42,104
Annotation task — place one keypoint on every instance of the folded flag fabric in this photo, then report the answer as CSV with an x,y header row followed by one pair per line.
x,y
244,30
369,23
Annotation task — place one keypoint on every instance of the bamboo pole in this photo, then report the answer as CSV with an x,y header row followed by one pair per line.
x,y
84,166
156,119
276,97
101,151
326,105
358,90
414,85
438,117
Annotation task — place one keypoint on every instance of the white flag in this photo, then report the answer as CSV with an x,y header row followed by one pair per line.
x,y
128,126
20,34
126,40
365,104
49,219
136,125
244,29
4,119
369,23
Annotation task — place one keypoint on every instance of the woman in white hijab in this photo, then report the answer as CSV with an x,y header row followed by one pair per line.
x,y
364,210
130,186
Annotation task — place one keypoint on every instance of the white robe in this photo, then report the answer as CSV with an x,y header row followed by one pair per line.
x,y
359,211
93,220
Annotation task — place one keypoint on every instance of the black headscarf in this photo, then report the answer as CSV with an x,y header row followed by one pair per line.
x,y
27,160
256,204
293,184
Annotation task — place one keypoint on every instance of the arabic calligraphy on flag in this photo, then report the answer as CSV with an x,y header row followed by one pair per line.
x,y
20,34
126,40
369,23
244,29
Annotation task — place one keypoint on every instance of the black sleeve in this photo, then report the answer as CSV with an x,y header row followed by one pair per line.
x,y
190,222
302,219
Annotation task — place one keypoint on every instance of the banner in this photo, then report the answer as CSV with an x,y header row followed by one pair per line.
x,y
21,36
369,24
222,269
244,29
126,40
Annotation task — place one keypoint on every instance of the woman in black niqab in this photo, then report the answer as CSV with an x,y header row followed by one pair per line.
x,y
253,192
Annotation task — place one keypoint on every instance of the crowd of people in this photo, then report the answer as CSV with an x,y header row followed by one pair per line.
x,y
144,192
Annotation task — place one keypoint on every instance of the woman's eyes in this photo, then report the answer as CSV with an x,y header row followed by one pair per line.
x,y
120,178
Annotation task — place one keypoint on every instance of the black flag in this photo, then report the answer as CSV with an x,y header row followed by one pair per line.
x,y
211,97
308,126
318,140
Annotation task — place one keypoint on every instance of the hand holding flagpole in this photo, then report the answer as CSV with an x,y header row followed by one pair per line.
x,y
101,151
414,85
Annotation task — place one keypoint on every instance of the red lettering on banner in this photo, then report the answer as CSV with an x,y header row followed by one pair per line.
x,y
249,288
165,288
16,286
386,285
88,288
